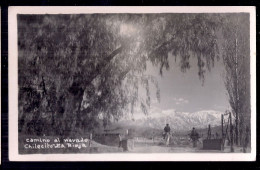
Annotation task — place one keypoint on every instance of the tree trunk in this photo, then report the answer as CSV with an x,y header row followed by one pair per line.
x,y
237,98
236,131
241,131
103,64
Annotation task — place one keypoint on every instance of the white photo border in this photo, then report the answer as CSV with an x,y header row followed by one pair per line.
x,y
13,85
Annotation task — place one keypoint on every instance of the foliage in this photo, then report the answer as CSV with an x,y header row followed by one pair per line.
x,y
236,57
76,70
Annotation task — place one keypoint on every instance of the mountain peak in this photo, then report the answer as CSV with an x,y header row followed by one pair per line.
x,y
178,121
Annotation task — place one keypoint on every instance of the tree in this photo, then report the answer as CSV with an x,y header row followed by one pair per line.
x,y
236,57
75,70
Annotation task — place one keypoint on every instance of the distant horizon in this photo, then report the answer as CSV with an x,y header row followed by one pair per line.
x,y
139,114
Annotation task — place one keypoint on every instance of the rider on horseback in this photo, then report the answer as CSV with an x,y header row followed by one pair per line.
x,y
166,134
167,130
194,137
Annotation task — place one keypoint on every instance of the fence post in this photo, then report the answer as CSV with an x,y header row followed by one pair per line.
x,y
222,131
209,132
90,139
222,118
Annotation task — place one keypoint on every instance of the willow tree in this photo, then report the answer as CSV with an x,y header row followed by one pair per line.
x,y
236,57
75,70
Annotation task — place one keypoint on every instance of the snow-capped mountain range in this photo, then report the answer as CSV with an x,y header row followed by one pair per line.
x,y
178,121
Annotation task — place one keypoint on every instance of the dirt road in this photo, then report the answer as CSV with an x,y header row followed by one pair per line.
x,y
178,149
163,149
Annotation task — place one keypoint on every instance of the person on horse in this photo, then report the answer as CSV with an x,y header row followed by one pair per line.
x,y
194,137
167,130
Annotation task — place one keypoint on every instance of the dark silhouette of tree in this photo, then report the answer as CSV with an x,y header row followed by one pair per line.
x,y
75,70
236,57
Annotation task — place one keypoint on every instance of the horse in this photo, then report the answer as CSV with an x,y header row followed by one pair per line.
x,y
167,139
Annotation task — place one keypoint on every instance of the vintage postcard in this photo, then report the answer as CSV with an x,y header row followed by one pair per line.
x,y
132,83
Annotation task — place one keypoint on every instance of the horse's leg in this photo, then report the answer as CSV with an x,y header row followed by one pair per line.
x,y
167,140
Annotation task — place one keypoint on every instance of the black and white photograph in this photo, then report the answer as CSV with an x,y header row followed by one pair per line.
x,y
132,83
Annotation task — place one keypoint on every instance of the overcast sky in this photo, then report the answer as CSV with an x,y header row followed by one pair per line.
x,y
184,91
